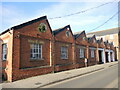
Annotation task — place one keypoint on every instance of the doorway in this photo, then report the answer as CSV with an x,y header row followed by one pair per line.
x,y
107,58
100,57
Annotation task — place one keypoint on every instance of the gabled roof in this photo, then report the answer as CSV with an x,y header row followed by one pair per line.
x,y
90,36
24,24
56,31
77,34
99,40
106,42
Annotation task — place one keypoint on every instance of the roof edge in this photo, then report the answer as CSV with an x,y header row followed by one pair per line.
x,y
24,24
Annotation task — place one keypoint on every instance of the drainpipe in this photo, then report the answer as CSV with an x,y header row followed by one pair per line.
x,y
87,56
74,54
97,56
53,54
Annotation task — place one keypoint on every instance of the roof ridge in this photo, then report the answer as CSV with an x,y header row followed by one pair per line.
x,y
61,28
23,24
103,30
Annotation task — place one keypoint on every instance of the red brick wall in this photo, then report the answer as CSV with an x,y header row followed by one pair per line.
x,y
25,53
21,51
91,60
58,59
107,46
79,60
101,44
62,40
25,73
112,47
80,42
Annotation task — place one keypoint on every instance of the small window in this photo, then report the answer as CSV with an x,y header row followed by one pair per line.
x,y
81,53
64,53
35,51
92,53
111,36
67,33
4,51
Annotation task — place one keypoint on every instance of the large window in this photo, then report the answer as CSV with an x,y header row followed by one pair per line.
x,y
92,53
64,52
81,53
35,51
4,51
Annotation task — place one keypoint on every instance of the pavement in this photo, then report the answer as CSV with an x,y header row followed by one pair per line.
x,y
47,79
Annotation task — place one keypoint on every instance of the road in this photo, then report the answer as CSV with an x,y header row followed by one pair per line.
x,y
106,78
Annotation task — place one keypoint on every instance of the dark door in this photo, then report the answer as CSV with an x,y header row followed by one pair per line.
x,y
106,55
100,57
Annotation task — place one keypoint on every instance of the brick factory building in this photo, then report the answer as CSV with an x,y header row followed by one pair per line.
x,y
112,35
32,48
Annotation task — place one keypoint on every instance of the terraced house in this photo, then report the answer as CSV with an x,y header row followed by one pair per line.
x,y
25,48
81,48
63,48
92,57
32,48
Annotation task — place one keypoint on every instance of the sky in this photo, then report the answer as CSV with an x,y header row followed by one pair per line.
x,y
15,13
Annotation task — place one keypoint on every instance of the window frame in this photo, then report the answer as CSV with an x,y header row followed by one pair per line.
x,y
68,33
4,59
92,53
65,52
35,51
81,53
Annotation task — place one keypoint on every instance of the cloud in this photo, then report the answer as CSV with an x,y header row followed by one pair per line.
x,y
88,20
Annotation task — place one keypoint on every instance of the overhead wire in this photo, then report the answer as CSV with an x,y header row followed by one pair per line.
x,y
83,11
105,21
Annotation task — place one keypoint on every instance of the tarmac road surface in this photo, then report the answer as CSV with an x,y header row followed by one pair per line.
x,y
106,78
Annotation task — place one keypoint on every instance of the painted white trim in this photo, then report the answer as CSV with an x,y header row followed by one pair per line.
x,y
107,50
103,54
100,49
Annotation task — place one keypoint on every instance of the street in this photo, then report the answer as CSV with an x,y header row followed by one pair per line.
x,y
106,78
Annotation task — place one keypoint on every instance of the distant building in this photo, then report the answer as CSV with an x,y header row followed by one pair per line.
x,y
111,35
